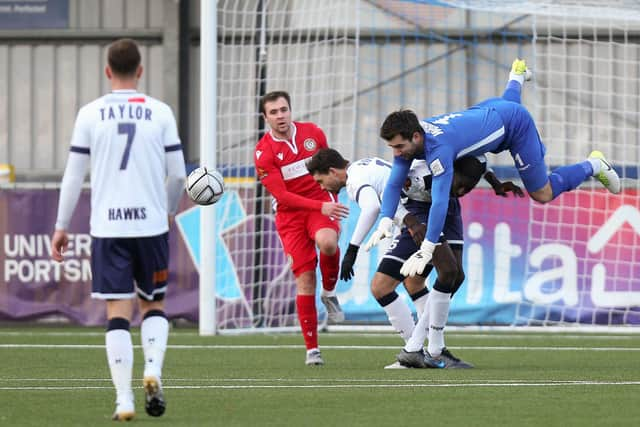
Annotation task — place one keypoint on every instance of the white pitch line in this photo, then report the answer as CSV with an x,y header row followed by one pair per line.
x,y
306,380
347,386
390,334
329,347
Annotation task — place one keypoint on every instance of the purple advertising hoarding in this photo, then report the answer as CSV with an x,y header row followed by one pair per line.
x,y
34,286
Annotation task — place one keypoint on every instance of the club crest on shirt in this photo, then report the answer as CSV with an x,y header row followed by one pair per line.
x,y
436,167
310,144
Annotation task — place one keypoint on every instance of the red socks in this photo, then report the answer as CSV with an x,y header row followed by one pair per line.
x,y
329,268
306,304
308,317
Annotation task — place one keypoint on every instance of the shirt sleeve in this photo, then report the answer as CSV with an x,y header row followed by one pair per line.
x,y
176,170
176,176
391,194
441,166
369,204
270,176
77,165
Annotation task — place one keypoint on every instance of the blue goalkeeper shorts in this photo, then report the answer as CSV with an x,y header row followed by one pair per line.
x,y
523,142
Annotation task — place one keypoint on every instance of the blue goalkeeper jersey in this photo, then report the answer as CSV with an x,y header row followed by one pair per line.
x,y
475,131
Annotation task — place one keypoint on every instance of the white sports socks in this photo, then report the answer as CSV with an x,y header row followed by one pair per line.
x,y
400,317
120,358
154,332
438,313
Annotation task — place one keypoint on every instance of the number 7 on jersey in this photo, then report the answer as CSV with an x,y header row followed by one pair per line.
x,y
130,130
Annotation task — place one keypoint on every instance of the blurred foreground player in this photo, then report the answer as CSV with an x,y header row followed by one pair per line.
x,y
131,142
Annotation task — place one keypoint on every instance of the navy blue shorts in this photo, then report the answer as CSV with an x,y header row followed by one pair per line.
x,y
403,246
117,262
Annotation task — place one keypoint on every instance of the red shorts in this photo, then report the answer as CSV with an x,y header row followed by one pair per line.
x,y
297,232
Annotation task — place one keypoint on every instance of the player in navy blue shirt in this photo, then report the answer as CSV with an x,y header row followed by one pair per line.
x,y
494,125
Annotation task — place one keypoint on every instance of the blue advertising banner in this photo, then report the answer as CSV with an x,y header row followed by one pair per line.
x,y
28,14
576,260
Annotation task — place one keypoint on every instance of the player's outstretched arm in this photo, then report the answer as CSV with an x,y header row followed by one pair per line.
x,y
274,183
346,268
270,176
369,205
70,189
440,188
384,230
502,188
174,182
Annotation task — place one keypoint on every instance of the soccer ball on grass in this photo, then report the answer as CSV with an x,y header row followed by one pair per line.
x,y
205,186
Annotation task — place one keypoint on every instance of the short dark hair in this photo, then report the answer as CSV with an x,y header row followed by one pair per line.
x,y
401,122
272,96
471,168
123,57
325,159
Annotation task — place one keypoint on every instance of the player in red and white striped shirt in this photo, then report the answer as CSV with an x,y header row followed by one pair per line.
x,y
306,217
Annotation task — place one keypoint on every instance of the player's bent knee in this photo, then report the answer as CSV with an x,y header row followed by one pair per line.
x,y
327,245
327,241
446,287
541,198
382,285
543,195
414,284
449,274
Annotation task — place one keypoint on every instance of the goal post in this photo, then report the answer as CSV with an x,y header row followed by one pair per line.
x,y
207,318
575,261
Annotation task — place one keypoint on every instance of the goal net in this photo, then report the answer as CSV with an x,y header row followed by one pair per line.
x,y
348,64
308,49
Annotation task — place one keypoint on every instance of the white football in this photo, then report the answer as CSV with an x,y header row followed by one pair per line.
x,y
205,186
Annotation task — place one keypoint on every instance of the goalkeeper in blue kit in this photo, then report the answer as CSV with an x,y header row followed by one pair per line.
x,y
494,125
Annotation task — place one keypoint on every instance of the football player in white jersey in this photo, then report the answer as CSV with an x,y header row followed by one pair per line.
x,y
365,181
130,142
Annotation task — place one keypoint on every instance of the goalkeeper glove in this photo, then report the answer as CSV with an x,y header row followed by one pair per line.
x,y
385,229
419,260
346,269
